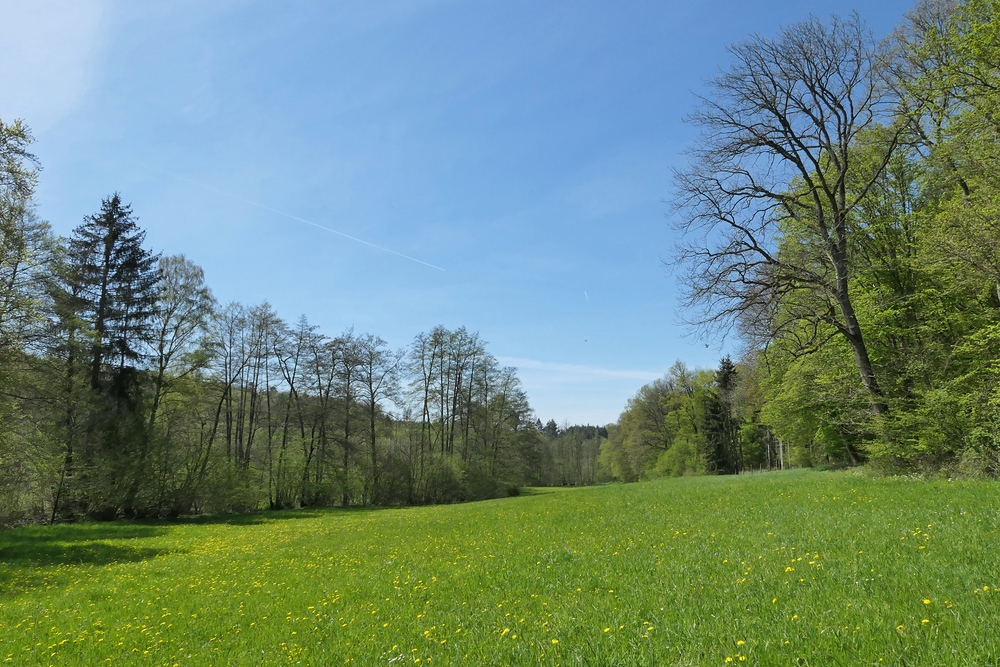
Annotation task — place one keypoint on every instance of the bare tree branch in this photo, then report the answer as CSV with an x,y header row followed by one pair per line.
x,y
767,202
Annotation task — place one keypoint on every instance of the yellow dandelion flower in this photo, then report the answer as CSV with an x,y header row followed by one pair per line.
x,y
740,642
926,601
555,641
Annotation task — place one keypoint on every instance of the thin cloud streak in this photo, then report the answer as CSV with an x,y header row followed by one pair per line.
x,y
297,218
578,371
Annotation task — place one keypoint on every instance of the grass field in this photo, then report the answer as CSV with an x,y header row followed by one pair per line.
x,y
800,568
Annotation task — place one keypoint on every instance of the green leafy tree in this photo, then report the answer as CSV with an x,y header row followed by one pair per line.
x,y
26,256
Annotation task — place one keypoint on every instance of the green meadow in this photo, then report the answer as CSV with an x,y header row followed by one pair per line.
x,y
798,568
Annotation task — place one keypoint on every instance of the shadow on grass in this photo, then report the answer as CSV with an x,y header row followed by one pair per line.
x,y
25,551
77,544
536,491
34,557
264,516
103,543
39,556
546,490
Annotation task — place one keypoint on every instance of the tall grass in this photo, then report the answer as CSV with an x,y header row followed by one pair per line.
x,y
801,568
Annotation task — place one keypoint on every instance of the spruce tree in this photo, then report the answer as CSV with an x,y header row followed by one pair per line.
x,y
117,279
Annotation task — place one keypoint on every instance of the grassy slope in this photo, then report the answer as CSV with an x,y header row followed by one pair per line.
x,y
801,568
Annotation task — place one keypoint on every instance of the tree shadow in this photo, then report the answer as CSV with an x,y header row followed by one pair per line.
x,y
252,518
43,555
527,491
263,516
75,544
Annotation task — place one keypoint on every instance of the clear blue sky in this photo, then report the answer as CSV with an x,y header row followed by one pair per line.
x,y
513,156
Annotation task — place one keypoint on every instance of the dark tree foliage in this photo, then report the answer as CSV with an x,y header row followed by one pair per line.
x,y
570,456
115,280
722,447
104,297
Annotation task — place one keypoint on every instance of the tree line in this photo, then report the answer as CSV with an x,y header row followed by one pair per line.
x,y
126,390
841,219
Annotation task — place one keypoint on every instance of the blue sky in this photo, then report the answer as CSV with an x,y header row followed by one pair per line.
x,y
510,160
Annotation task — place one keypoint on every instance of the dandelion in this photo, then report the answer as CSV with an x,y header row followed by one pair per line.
x,y
555,641
740,642
926,601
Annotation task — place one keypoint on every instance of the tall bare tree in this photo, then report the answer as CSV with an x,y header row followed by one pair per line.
x,y
184,305
379,368
768,205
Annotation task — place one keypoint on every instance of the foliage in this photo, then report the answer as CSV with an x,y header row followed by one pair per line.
x,y
570,456
846,227
138,395
841,212
684,423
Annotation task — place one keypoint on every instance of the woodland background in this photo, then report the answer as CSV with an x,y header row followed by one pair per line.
x,y
841,219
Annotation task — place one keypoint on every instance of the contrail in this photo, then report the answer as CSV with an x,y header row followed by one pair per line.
x,y
585,296
297,218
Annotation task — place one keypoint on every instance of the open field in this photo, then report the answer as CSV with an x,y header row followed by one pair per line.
x,y
801,568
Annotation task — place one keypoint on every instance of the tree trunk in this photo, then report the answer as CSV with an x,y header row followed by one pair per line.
x,y
852,332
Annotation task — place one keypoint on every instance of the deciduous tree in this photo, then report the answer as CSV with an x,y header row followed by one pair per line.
x,y
768,202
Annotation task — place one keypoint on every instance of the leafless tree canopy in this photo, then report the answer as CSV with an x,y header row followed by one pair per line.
x,y
766,205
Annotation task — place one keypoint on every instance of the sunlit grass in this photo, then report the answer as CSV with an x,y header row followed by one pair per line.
x,y
797,568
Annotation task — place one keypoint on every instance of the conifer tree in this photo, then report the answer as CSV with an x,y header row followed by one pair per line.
x,y
117,277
